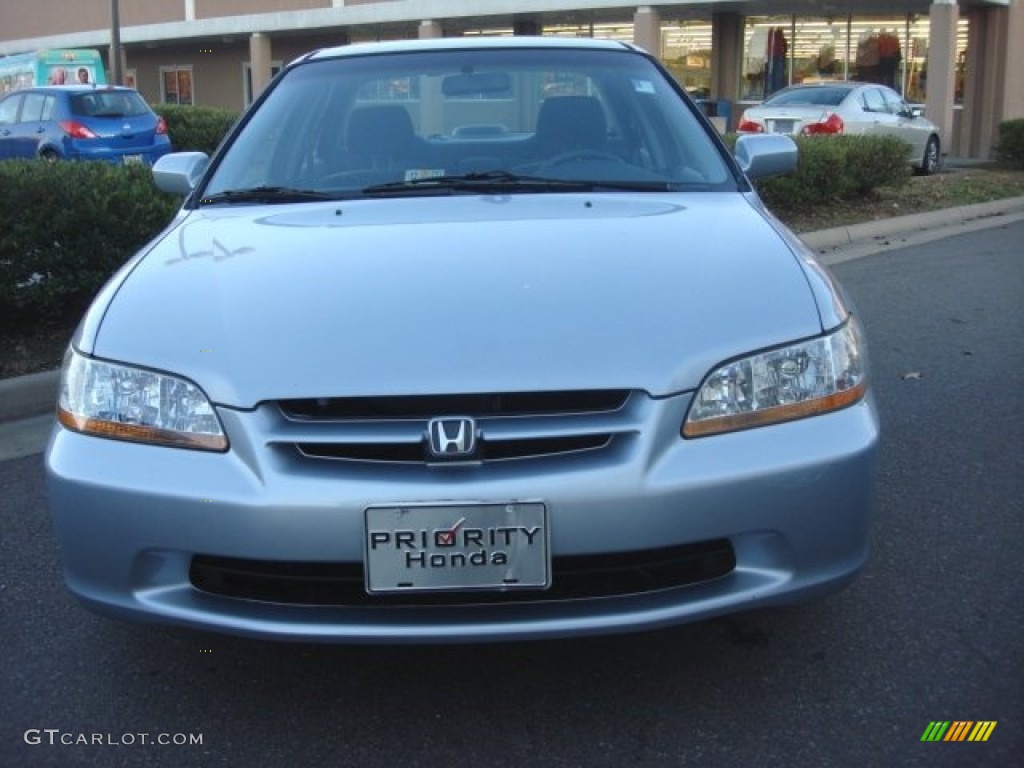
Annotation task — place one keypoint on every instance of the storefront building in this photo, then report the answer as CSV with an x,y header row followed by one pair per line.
x,y
957,58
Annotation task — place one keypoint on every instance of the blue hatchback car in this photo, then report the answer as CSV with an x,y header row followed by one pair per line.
x,y
81,123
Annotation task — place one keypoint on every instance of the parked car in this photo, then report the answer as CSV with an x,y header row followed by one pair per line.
x,y
861,109
81,122
389,379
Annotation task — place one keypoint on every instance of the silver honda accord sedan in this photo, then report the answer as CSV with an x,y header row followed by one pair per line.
x,y
458,341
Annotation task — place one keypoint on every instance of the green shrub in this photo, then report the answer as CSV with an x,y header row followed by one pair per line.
x,y
1010,149
195,129
76,223
834,168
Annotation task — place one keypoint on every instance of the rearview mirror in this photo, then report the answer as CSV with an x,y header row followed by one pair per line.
x,y
476,84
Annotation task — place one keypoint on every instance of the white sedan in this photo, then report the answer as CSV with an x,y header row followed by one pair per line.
x,y
860,109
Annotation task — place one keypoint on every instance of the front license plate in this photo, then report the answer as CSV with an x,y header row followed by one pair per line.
x,y
132,159
426,547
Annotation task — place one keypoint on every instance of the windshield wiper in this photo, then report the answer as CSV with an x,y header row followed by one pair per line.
x,y
505,181
485,181
265,195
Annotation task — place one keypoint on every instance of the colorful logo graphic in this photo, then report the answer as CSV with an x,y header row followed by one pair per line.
x,y
959,730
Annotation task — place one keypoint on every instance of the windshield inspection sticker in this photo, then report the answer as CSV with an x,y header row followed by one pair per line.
x,y
415,174
643,86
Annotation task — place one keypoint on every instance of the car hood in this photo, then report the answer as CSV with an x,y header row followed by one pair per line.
x,y
445,295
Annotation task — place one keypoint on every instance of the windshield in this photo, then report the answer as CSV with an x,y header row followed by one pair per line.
x,y
463,121
108,103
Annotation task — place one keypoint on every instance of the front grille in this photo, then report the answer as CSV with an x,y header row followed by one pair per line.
x,y
476,405
508,426
572,578
489,450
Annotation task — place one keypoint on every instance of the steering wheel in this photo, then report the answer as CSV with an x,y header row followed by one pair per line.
x,y
568,156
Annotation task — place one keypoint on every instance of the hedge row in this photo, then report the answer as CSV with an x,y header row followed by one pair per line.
x,y
76,223
833,168
195,129
1010,149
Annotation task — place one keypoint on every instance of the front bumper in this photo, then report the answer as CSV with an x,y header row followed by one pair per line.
x,y
792,502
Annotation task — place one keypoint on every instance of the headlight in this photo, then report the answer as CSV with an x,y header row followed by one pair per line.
x,y
804,379
126,403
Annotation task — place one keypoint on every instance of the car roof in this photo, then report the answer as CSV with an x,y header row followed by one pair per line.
x,y
470,43
848,85
76,88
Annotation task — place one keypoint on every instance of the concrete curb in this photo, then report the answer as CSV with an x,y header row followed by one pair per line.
x,y
31,395
23,397
901,225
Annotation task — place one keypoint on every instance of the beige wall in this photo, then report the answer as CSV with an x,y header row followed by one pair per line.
x,y
207,9
216,68
941,70
216,71
24,19
1014,86
993,88
136,12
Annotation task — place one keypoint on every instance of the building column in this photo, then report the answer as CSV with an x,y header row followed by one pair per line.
x,y
430,29
427,113
259,62
992,87
942,18
726,57
647,30
1013,82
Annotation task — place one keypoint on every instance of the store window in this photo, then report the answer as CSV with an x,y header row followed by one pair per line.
x,y
916,61
686,53
767,51
620,32
877,51
176,85
889,50
819,50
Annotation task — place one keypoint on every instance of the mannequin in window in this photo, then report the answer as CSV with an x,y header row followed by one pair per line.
x,y
867,60
889,57
827,64
775,61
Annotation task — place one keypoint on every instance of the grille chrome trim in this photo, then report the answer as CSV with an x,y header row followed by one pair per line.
x,y
475,405
487,451
518,426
